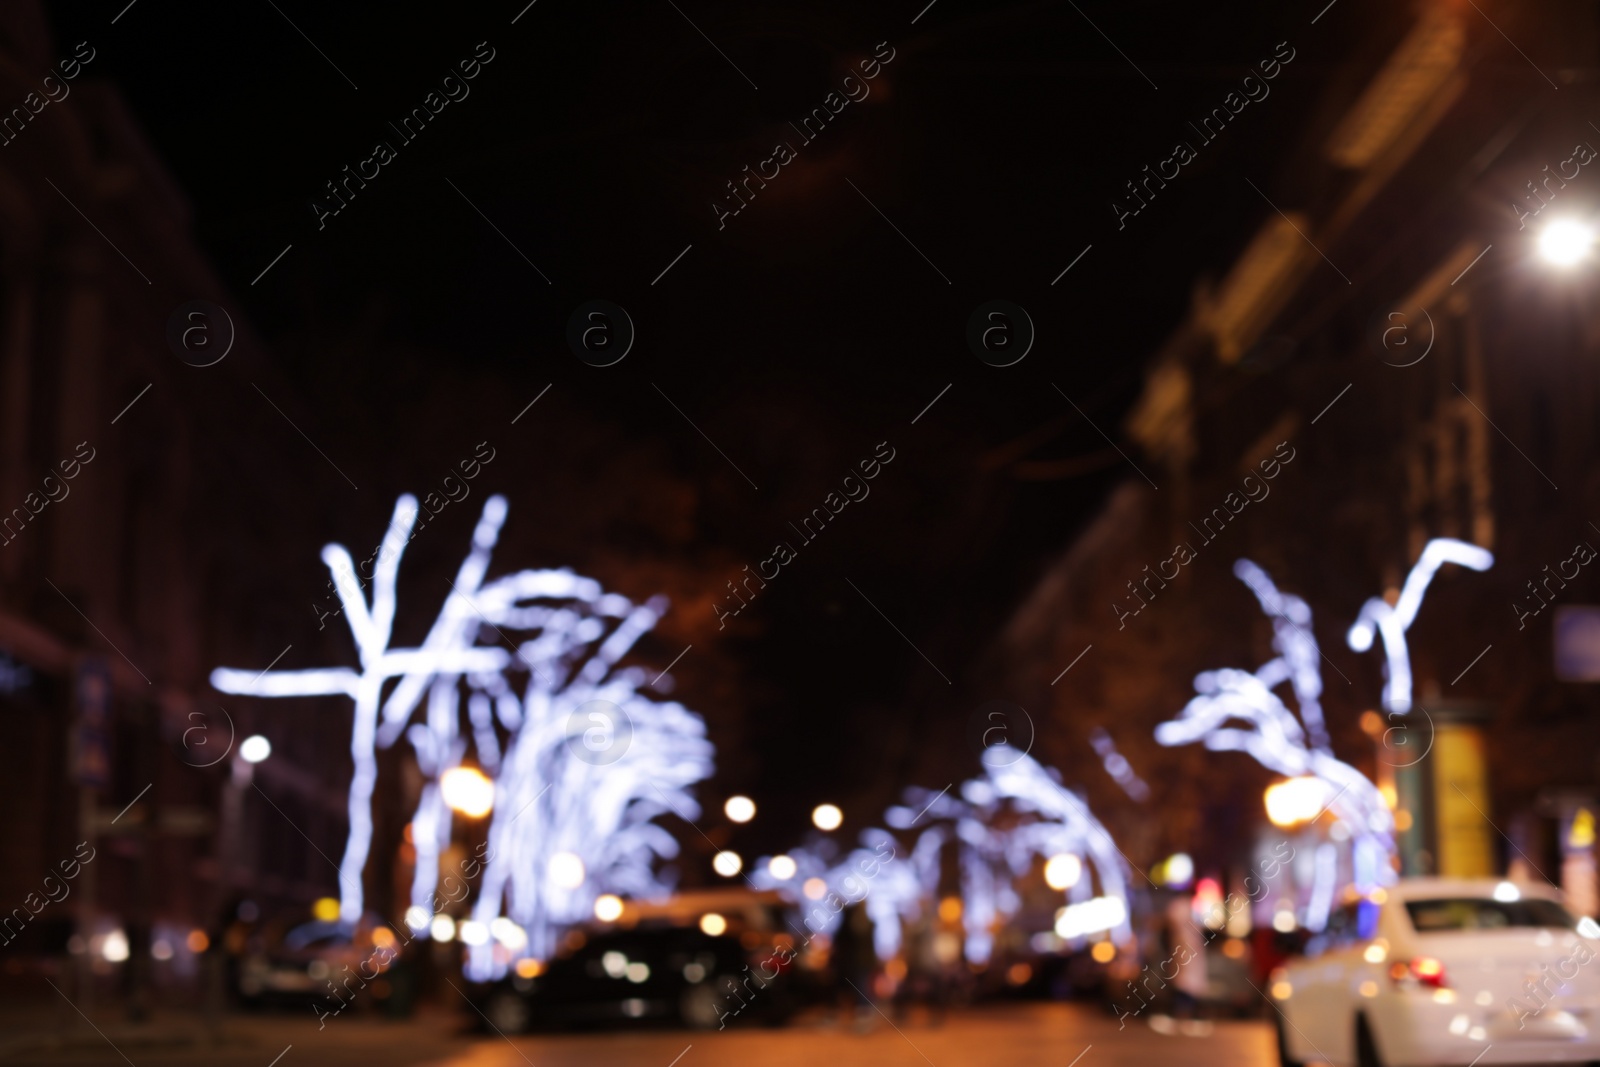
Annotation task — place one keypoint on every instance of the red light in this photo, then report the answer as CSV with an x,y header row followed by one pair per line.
x,y
1424,969
1429,971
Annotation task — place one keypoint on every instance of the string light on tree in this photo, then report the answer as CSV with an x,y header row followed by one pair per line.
x,y
1237,711
580,761
1391,623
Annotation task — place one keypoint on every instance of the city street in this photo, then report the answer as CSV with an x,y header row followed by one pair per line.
x,y
994,1037
533,532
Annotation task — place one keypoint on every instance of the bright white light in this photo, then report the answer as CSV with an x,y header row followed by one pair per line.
x,y
727,863
1565,242
1062,871
508,933
826,817
418,918
713,924
781,867
473,933
1093,916
739,809
1391,623
1505,893
615,963
566,870
1178,871
608,908
115,947
1589,928
1283,922
467,790
1296,801
443,928
254,748
638,972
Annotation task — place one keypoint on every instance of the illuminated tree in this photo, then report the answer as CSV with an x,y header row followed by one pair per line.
x,y
1000,824
588,761
1237,711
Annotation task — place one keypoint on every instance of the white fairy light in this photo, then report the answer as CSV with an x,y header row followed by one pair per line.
x,y
896,888
1391,623
588,763
1269,732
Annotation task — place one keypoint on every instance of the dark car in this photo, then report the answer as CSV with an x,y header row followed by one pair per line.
x,y
661,974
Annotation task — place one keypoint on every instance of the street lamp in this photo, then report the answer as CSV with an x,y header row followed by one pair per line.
x,y
727,863
566,870
1296,800
739,809
255,748
1062,871
1566,242
826,817
467,790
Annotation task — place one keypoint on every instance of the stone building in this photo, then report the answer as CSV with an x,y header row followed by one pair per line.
x,y
1393,323
122,471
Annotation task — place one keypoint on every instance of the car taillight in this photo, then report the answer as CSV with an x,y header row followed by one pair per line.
x,y
1425,969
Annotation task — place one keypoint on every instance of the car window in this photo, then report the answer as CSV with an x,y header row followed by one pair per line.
x,y
1471,913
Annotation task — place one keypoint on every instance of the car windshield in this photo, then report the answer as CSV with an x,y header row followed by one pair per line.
x,y
1463,913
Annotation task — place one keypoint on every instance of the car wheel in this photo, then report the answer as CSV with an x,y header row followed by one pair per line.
x,y
700,1007
1366,1046
1284,1059
508,1013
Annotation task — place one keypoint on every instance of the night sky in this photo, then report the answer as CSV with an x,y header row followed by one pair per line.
x,y
801,338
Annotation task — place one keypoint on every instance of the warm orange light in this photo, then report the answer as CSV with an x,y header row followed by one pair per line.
x,y
1103,952
197,941
950,909
1019,973
382,937
529,968
468,791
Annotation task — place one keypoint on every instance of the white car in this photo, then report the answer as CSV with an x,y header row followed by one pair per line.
x,y
1436,971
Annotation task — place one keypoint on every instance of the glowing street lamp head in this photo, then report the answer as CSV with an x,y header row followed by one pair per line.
x,y
727,863
1296,801
782,868
1566,242
1177,870
608,908
739,809
468,791
826,817
1063,871
566,870
254,748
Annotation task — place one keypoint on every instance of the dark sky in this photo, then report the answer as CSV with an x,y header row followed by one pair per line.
x,y
797,338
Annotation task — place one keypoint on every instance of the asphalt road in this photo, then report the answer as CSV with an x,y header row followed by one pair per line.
x,y
1045,1034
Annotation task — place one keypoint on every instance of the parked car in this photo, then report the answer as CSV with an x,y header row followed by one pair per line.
x,y
672,973
1444,971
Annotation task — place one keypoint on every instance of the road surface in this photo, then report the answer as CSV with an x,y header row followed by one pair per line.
x,y
1031,1035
